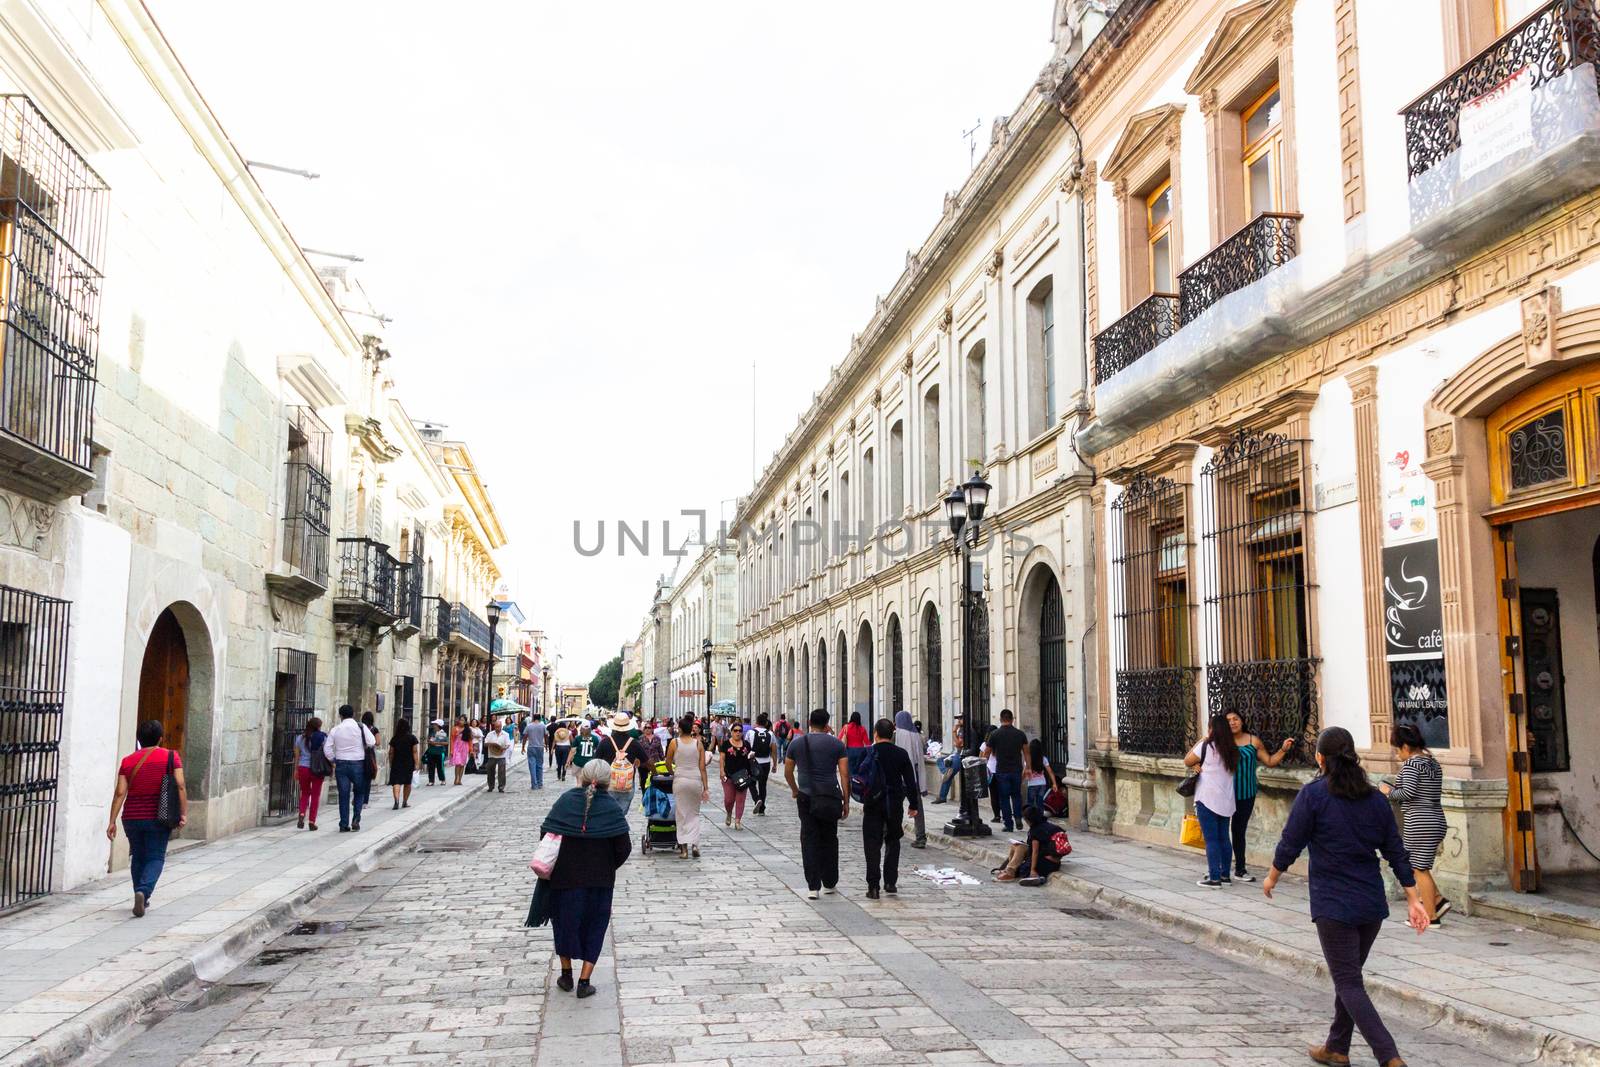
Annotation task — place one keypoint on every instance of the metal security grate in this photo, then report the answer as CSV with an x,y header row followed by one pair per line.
x,y
293,702
33,667
1053,676
978,656
897,669
308,492
1259,659
1151,608
52,224
933,657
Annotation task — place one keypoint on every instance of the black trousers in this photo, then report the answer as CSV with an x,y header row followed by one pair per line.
x,y
1345,949
819,847
881,831
1237,826
434,761
758,781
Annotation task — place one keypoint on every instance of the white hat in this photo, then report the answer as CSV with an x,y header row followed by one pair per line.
x,y
622,721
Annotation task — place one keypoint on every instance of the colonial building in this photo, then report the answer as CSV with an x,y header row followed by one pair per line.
x,y
655,641
214,513
1343,293
702,607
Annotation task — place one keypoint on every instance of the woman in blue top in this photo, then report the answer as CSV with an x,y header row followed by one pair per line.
x,y
1345,821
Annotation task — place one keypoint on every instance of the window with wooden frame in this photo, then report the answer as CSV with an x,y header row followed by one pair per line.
x,y
1545,443
1470,26
1261,127
1158,238
1143,171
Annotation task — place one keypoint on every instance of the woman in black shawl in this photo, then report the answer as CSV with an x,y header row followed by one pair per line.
x,y
594,843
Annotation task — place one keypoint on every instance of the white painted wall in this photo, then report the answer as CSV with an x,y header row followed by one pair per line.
x,y
1341,613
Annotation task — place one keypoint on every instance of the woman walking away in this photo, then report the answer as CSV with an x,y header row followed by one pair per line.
x,y
138,789
1344,821
1251,753
594,843
736,772
460,748
438,746
686,760
908,739
1418,790
308,762
563,747
1041,777
402,763
1217,757
856,741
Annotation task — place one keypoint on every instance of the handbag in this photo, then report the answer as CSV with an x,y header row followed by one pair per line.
x,y
1187,787
318,764
741,780
1055,801
1190,834
544,855
169,808
370,764
825,806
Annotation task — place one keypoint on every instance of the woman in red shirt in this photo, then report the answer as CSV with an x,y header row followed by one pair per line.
x,y
138,786
856,740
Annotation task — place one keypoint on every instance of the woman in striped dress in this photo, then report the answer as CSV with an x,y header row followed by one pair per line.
x,y
1252,753
1418,788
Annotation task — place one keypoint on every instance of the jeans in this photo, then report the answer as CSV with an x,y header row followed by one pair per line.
x,y
1007,786
433,760
536,767
880,833
310,791
758,783
364,785
783,748
1219,852
1345,949
147,853
1036,795
349,774
1237,826
492,766
949,767
819,847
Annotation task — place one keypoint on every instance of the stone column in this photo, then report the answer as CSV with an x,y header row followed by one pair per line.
x,y
1369,504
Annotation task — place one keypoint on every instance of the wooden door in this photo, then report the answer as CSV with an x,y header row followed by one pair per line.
x,y
1522,854
164,680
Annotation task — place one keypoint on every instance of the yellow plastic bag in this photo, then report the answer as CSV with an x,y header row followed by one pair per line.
x,y
1190,834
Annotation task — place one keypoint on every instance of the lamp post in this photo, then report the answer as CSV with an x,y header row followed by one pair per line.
x,y
493,611
705,651
967,502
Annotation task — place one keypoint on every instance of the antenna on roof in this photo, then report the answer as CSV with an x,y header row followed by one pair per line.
x,y
972,143
307,174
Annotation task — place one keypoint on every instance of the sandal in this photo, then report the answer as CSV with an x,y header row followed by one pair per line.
x,y
1006,876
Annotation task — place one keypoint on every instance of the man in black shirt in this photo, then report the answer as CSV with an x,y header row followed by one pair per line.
x,y
819,778
891,782
1009,746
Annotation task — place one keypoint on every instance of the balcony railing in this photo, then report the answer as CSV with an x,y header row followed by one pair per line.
x,y
1263,245
52,216
366,574
435,619
305,527
466,624
1117,346
1156,711
1555,39
408,579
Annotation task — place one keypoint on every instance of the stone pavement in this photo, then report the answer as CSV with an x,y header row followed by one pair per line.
x,y
1531,992
721,961
77,966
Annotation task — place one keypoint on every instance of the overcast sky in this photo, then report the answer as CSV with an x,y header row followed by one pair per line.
x,y
588,219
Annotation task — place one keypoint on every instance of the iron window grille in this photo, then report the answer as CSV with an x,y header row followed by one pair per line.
x,y
897,668
1053,677
33,667
933,659
435,619
294,698
1151,611
52,227
419,578
1120,345
978,712
366,573
1260,247
309,493
1259,659
1553,40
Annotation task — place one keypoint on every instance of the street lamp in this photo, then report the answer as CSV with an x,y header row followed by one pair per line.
x,y
705,651
493,611
967,502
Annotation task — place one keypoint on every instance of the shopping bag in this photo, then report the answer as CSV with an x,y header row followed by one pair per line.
x,y
1190,834
544,855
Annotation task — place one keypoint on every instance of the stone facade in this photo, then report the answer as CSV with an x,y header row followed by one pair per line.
x,y
702,606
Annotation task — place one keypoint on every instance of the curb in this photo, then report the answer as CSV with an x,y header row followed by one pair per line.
x,y
210,959
1519,1040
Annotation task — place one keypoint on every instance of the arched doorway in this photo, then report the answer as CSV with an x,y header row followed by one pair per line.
x,y
842,706
897,668
864,674
164,681
805,680
932,667
1053,675
822,671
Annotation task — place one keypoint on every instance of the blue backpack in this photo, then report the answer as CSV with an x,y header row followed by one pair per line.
x,y
867,782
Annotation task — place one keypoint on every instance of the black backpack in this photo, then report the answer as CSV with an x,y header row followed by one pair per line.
x,y
761,744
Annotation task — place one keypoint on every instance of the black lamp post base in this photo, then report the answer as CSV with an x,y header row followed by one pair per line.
x,y
960,827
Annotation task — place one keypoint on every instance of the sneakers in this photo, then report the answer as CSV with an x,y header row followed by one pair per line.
x,y
1209,883
300,824
1443,908
812,894
921,842
313,826
1031,880
138,905
1243,876
828,890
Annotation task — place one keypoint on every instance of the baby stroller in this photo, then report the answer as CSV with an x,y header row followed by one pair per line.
x,y
660,818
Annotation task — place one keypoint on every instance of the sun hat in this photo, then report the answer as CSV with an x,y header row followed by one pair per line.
x,y
622,721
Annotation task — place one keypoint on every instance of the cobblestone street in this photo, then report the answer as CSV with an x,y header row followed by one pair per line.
x,y
722,961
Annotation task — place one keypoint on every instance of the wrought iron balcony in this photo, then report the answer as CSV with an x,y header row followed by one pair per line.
x,y
52,212
467,628
1264,244
1151,321
1156,711
1277,697
305,527
435,619
366,580
1516,128
408,578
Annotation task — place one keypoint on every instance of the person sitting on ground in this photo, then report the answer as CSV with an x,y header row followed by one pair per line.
x,y
1033,860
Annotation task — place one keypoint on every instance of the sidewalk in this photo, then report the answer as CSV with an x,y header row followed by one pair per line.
x,y
78,966
1529,994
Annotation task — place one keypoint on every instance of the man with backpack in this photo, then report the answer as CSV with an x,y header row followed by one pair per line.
x,y
626,755
884,780
762,743
819,779
782,732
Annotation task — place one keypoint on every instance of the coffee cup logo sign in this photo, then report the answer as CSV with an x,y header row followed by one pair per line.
x,y
1413,633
